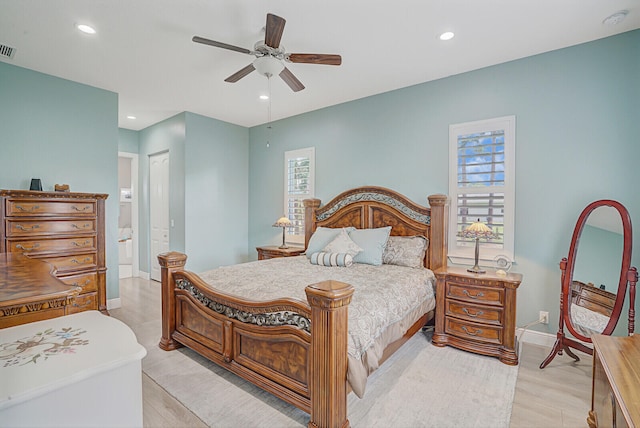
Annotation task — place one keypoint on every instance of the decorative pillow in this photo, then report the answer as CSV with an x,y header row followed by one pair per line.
x,y
321,238
372,242
331,259
405,251
342,244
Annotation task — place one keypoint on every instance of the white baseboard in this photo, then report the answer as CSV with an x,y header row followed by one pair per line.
x,y
536,337
114,303
144,275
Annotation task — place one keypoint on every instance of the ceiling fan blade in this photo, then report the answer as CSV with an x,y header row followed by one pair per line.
x,y
291,80
325,59
220,45
274,30
240,74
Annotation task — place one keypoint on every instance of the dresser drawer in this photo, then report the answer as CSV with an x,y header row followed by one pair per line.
x,y
477,294
88,281
44,246
469,330
72,263
26,207
485,314
18,227
83,302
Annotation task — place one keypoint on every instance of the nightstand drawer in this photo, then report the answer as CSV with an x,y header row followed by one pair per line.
x,y
485,314
469,330
477,294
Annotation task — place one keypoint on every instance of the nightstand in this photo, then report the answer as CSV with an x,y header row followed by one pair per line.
x,y
272,252
477,312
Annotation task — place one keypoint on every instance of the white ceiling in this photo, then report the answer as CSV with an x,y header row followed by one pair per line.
x,y
143,48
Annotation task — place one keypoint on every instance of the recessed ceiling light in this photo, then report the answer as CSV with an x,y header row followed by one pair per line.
x,y
448,35
86,28
264,97
616,18
131,117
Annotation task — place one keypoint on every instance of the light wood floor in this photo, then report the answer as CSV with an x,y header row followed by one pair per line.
x,y
558,396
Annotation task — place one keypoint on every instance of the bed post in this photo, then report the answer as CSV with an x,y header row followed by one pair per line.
x,y
310,207
169,263
329,301
439,218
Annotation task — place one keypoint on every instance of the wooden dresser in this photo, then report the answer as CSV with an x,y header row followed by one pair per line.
x,y
615,395
273,251
477,312
64,229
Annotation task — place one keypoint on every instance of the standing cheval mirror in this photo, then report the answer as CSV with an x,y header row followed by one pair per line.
x,y
595,276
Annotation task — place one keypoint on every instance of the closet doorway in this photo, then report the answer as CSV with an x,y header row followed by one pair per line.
x,y
158,209
128,262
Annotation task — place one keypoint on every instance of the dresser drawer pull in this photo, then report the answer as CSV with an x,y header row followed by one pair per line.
x,y
83,226
80,244
475,333
26,229
468,312
20,247
85,260
87,282
29,210
480,294
87,303
86,207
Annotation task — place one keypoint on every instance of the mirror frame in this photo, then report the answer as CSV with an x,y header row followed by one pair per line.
x,y
567,275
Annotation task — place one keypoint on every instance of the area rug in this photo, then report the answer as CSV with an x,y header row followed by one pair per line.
x,y
419,386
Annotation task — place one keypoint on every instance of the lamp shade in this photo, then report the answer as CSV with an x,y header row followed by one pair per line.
x,y
476,230
282,222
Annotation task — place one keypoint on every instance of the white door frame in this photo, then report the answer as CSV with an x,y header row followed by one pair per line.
x,y
135,194
165,208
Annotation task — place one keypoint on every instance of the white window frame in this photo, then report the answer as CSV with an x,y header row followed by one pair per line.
x,y
309,152
463,254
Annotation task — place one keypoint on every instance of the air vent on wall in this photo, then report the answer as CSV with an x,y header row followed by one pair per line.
x,y
6,51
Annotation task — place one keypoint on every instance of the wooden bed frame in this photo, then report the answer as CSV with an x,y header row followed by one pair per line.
x,y
293,349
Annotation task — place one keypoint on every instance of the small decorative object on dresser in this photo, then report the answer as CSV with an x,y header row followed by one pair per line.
x,y
615,394
272,252
36,184
61,187
477,313
64,229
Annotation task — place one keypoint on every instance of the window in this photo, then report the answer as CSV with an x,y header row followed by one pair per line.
x,y
482,185
299,178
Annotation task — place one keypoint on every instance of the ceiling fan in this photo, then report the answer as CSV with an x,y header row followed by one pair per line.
x,y
270,55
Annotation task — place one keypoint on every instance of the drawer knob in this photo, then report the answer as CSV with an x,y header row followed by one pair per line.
x,y
27,228
471,333
33,247
80,244
471,314
85,260
473,296
28,210
82,226
87,282
86,207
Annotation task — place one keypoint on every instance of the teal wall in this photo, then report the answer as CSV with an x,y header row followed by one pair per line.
x,y
578,121
216,193
128,141
61,132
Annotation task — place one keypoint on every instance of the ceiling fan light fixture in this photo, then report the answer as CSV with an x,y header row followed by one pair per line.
x,y
268,66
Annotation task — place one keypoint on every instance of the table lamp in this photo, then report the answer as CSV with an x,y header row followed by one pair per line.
x,y
283,222
476,231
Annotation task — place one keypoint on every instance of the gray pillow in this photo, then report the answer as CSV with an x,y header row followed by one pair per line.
x,y
405,251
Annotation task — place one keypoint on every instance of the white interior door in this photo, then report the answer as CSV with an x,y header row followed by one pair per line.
x,y
159,209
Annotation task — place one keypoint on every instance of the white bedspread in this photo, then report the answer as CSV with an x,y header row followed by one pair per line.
x,y
387,300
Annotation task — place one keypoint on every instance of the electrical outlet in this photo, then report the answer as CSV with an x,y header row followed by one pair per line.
x,y
544,317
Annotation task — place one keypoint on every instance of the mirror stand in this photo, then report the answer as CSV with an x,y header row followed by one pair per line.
x,y
586,309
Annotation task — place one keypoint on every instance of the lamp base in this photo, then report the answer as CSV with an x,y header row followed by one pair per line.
x,y
283,246
476,269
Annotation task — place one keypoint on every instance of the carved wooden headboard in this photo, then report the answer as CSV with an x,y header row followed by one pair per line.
x,y
371,207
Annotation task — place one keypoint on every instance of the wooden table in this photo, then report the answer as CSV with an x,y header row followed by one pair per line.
x,y
615,398
29,291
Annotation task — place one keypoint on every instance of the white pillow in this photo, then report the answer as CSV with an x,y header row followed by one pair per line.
x,y
372,242
342,244
321,237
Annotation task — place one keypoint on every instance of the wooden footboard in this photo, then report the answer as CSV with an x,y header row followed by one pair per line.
x,y
293,349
